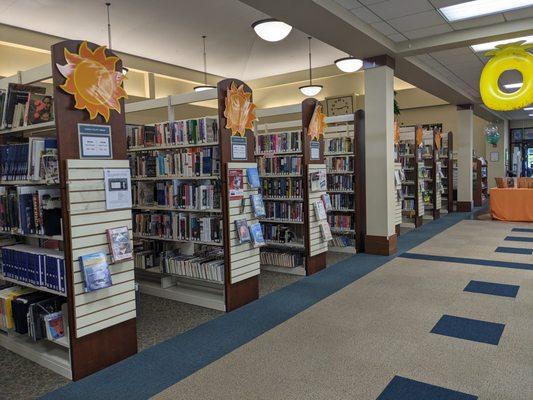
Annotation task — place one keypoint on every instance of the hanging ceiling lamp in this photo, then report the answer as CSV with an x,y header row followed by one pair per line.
x,y
205,86
124,69
310,90
271,29
349,64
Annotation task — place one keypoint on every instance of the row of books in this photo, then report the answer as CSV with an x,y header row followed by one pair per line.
x,y
34,265
341,221
408,204
178,194
178,226
340,163
186,163
281,259
278,142
342,200
281,234
28,161
29,312
292,211
280,165
282,187
183,132
339,145
340,182
207,266
30,210
342,241
24,105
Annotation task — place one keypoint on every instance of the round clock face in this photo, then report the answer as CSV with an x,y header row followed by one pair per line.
x,y
340,106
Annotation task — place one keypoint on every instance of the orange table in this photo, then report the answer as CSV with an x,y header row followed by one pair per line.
x,y
511,204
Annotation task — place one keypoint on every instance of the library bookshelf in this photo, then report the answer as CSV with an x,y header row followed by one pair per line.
x,y
445,156
186,161
432,177
104,319
480,181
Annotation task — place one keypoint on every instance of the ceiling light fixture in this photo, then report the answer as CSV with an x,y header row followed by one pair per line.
x,y
528,109
478,8
492,45
513,85
349,64
124,69
271,29
205,86
310,90
531,115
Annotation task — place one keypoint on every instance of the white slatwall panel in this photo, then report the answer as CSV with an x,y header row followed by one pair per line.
x,y
318,244
244,258
421,207
89,220
398,208
438,182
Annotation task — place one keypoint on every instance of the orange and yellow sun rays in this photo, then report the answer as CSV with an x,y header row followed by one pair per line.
x,y
317,124
239,112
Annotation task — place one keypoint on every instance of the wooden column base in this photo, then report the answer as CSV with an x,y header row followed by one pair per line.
x,y
315,263
397,228
436,214
418,221
464,206
381,245
241,293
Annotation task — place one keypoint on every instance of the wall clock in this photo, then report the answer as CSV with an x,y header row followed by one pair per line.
x,y
339,105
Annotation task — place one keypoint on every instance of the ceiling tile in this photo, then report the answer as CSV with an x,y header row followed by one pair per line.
x,y
384,28
476,22
365,15
397,37
367,2
349,4
429,31
519,14
417,21
394,9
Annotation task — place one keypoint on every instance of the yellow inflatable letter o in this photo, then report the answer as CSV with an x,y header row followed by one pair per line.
x,y
507,57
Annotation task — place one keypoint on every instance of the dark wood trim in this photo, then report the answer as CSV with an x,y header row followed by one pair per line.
x,y
359,180
450,172
398,230
379,61
381,245
316,263
98,350
243,292
464,206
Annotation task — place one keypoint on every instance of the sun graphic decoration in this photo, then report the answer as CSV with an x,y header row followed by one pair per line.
x,y
419,136
438,138
396,132
239,112
317,124
92,80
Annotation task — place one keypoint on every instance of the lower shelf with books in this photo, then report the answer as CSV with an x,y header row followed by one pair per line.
x,y
300,271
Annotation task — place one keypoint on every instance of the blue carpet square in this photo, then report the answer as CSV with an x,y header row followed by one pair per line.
x,y
400,388
496,289
469,329
519,239
514,250
530,230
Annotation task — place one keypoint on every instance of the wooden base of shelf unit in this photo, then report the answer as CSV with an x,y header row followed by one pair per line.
x,y
300,271
343,249
316,263
381,245
464,206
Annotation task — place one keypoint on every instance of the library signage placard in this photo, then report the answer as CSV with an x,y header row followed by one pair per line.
x,y
238,148
95,141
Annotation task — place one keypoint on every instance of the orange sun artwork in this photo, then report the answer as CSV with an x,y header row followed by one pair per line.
x,y
438,138
92,80
419,136
239,112
317,124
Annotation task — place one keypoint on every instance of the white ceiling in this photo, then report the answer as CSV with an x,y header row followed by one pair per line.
x,y
170,31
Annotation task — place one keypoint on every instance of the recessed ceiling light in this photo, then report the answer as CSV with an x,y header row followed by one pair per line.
x,y
513,85
477,8
492,45
271,29
349,64
528,109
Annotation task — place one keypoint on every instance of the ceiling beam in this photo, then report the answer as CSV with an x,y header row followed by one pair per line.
x,y
466,37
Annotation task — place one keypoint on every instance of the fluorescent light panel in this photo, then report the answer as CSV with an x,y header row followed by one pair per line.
x,y
477,8
513,85
492,45
528,109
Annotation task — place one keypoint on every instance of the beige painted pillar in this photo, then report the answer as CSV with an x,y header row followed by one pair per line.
x,y
465,146
379,162
496,156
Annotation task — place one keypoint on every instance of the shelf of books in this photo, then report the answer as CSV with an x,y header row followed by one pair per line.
x,y
432,186
399,177
194,242
480,185
410,157
290,186
445,156
54,308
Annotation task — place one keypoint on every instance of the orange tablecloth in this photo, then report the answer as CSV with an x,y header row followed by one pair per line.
x,y
512,204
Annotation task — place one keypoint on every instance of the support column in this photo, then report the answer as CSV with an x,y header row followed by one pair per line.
x,y
380,235
465,146
497,168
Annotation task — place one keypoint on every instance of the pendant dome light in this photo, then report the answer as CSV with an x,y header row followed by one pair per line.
x,y
205,86
349,64
310,90
124,69
271,29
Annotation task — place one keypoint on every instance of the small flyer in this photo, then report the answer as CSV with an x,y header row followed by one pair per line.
x,y
236,184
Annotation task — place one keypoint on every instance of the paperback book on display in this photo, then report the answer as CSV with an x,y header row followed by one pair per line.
x,y
257,205
236,184
253,177
243,233
54,326
326,199
119,244
320,210
95,271
326,231
257,235
318,181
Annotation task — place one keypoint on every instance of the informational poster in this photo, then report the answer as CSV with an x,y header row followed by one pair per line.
x,y
95,141
315,150
494,156
236,184
117,183
238,148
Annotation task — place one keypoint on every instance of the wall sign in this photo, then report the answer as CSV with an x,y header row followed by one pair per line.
x,y
239,148
117,183
315,150
95,141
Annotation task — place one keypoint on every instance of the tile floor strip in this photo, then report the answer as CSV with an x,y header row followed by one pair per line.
x,y
469,329
513,250
401,388
495,289
530,230
519,239
473,261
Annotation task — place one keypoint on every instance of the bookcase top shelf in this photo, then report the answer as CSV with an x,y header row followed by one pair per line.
x,y
171,147
36,128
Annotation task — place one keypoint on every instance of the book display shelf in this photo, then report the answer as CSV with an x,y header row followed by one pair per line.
x,y
480,178
286,164
187,247
432,177
445,156
55,210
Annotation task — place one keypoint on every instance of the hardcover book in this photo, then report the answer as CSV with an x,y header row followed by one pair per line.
x,y
257,235
40,109
253,177
326,199
257,205
95,271
54,325
241,225
119,244
235,184
326,231
318,181
320,210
